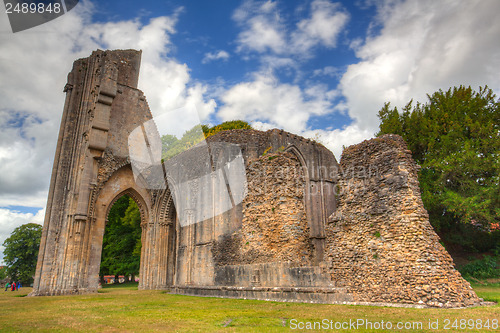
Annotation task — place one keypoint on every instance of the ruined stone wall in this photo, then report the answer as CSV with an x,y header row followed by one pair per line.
x,y
380,244
271,238
377,246
274,226
320,170
271,254
253,143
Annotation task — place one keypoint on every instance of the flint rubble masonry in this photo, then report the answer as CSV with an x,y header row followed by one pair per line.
x,y
380,244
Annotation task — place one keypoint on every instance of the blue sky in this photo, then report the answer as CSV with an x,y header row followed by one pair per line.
x,y
317,68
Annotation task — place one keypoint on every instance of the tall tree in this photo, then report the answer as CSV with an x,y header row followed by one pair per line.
x,y
21,252
455,137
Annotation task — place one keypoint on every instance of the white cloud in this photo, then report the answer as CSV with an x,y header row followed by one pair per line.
x,y
264,100
336,139
11,219
153,38
322,28
24,164
283,105
263,28
423,46
210,56
265,31
328,71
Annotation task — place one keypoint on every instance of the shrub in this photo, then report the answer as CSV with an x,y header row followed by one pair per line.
x,y
481,268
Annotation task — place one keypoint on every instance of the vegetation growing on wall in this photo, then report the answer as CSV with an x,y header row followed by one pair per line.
x,y
225,126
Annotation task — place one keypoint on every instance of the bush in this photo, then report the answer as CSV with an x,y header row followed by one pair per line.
x,y
481,268
225,126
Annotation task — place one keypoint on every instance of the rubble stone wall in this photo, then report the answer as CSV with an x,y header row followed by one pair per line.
x,y
274,225
380,244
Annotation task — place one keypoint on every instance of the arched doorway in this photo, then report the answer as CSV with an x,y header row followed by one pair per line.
x,y
120,184
121,248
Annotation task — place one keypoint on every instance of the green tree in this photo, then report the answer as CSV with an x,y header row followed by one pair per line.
x,y
171,146
21,252
455,137
168,142
121,249
3,273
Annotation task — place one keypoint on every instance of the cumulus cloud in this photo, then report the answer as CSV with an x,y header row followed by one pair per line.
x,y
328,71
322,28
24,164
283,105
337,139
422,46
265,31
267,102
264,100
210,56
412,48
165,81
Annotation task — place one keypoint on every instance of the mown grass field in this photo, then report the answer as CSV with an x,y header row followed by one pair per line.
x,y
125,309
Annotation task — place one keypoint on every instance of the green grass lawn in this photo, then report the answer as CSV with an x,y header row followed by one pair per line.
x,y
125,309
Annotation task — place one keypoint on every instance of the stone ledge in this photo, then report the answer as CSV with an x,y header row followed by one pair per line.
x,y
279,294
273,289
299,295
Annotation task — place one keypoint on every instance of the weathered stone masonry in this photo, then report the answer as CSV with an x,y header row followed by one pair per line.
x,y
91,169
308,229
381,246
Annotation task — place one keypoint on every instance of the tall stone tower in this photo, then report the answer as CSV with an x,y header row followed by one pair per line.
x,y
103,105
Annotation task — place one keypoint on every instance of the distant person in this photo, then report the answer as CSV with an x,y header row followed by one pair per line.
x,y
13,286
7,286
19,285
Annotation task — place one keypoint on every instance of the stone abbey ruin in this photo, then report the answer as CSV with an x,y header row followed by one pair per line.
x,y
299,227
